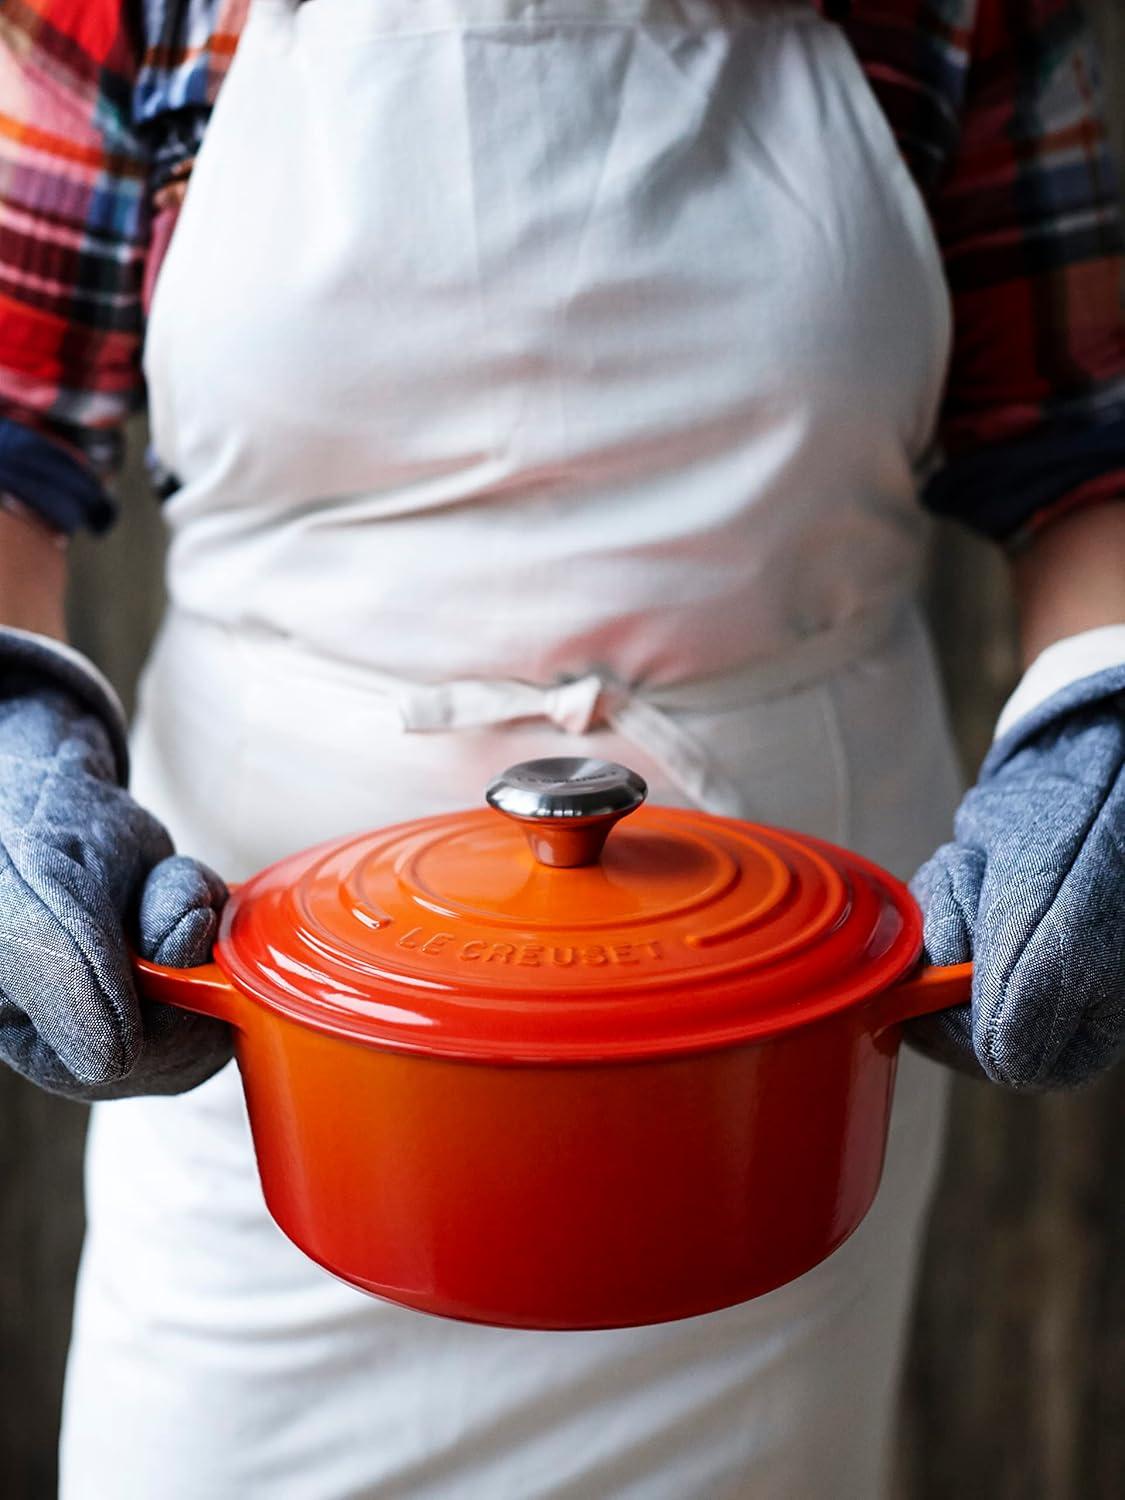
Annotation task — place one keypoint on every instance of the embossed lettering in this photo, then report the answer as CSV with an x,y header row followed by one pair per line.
x,y
412,939
532,955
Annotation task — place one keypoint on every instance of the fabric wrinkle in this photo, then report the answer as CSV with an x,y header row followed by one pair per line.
x,y
477,278
840,761
762,156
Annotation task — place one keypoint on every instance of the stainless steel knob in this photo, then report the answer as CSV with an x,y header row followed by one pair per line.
x,y
567,805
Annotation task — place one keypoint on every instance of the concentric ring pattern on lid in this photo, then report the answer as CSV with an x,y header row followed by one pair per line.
x,y
449,936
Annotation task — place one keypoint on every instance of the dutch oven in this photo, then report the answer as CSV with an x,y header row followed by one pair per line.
x,y
523,1067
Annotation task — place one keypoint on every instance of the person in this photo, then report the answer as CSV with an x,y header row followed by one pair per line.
x,y
515,342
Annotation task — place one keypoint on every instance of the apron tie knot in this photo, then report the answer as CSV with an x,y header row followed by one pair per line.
x,y
577,705
471,703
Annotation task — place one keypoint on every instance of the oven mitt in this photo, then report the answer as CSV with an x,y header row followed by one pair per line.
x,y
1033,891
83,870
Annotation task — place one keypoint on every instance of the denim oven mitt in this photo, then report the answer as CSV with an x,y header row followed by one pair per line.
x,y
1033,890
79,860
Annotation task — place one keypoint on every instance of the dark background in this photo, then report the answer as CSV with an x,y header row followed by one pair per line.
x,y
1015,1388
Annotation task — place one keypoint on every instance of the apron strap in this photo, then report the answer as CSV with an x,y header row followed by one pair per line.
x,y
644,715
577,706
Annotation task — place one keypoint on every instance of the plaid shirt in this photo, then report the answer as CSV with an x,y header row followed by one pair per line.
x,y
994,104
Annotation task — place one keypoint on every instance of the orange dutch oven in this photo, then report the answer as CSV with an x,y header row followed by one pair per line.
x,y
505,1068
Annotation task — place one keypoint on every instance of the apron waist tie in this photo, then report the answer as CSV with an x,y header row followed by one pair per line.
x,y
644,715
577,706
649,716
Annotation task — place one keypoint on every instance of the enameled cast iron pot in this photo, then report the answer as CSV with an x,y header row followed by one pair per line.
x,y
500,1072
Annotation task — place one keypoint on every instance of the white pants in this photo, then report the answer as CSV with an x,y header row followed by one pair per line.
x,y
212,1361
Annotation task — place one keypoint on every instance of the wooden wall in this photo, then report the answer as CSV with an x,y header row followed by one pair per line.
x,y
1016,1382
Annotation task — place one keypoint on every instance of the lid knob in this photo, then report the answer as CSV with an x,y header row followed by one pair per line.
x,y
566,804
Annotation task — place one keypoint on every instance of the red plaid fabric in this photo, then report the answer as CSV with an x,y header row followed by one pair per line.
x,y
994,103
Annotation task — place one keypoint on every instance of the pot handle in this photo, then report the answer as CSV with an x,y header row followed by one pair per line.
x,y
206,990
928,989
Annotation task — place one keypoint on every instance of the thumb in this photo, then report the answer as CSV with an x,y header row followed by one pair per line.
x,y
178,913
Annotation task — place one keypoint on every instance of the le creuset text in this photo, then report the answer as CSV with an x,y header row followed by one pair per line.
x,y
532,955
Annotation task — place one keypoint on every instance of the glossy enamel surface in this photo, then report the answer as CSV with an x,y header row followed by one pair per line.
x,y
574,1197
447,937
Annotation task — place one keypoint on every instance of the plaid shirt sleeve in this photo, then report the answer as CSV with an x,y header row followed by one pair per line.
x,y
994,104
73,228
1028,216
83,83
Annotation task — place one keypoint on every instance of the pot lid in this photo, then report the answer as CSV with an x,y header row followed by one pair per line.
x,y
538,930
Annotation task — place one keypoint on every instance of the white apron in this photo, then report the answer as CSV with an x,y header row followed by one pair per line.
x,y
544,377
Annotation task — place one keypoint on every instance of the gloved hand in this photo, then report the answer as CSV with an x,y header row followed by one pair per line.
x,y
1033,890
78,859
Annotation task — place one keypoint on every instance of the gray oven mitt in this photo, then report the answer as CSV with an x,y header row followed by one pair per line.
x,y
84,870
1032,889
